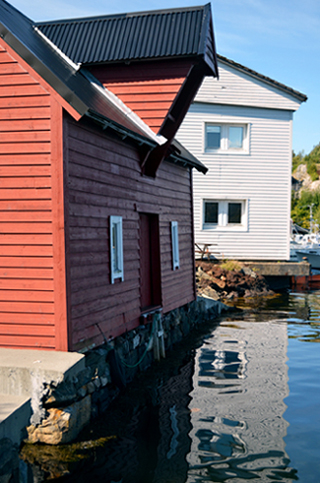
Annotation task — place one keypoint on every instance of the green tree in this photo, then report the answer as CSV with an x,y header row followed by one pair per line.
x,y
300,208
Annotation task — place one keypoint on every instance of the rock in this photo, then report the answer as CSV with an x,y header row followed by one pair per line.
x,y
219,283
232,295
91,387
210,293
61,395
249,272
82,391
62,425
203,275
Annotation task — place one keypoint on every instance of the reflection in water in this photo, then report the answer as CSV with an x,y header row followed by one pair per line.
x,y
217,415
240,382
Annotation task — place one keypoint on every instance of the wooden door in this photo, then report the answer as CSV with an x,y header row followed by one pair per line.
x,y
150,282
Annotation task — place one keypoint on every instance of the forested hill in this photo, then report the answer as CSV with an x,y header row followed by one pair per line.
x,y
306,191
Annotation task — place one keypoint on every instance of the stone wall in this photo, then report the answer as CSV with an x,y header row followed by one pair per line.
x,y
71,404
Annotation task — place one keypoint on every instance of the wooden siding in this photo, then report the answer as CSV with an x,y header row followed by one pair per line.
x,y
237,88
105,179
27,282
261,178
148,89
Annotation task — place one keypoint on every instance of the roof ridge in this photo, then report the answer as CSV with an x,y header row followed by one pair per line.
x,y
97,18
262,77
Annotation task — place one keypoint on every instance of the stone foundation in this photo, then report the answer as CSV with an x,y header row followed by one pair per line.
x,y
69,405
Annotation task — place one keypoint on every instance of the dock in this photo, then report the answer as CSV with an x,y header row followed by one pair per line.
x,y
281,275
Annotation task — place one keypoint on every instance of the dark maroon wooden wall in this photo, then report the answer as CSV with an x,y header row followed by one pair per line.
x,y
103,178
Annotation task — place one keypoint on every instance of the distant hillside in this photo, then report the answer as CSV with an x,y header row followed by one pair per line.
x,y
306,192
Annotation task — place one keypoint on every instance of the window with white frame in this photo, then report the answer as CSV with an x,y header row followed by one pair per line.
x,y
175,245
225,214
229,138
116,248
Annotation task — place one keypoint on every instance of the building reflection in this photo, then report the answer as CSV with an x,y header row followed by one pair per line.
x,y
237,407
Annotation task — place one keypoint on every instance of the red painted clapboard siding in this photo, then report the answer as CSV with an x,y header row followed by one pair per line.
x,y
105,179
27,308
149,89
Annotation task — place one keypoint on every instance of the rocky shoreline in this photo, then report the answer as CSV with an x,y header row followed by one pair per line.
x,y
229,280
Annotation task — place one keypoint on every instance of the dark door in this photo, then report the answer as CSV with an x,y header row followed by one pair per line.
x,y
150,284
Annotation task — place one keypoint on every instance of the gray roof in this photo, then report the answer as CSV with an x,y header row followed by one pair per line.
x,y
76,87
155,34
298,95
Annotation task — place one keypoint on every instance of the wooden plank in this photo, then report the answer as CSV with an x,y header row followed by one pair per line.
x,y
25,262
23,136
26,250
45,273
25,171
24,102
28,125
27,307
23,90
25,205
17,148
16,79
21,330
28,319
25,193
26,284
31,342
25,113
25,182
86,233
24,159
11,68
26,296
63,338
25,216
5,57
104,305
156,92
23,228
95,138
98,293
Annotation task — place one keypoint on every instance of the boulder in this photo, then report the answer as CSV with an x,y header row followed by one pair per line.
x,y
61,425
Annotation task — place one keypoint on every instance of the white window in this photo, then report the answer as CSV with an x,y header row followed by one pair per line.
x,y
175,245
229,138
116,248
230,214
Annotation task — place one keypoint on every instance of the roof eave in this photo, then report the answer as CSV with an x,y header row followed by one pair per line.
x,y
43,70
267,80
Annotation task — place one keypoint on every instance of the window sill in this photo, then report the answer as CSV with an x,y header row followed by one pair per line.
x,y
224,228
227,152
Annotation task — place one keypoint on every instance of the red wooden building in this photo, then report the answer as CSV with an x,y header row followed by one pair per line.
x,y
96,223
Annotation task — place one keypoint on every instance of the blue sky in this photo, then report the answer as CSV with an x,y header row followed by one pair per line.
x,y
277,38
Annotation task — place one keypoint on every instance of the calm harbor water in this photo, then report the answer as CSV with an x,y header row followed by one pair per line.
x,y
242,405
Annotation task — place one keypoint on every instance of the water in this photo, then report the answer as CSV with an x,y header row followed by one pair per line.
x,y
244,405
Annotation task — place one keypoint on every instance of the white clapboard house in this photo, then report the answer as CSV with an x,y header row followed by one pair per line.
x,y
240,127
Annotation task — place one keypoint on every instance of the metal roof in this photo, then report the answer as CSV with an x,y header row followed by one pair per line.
x,y
298,95
133,36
